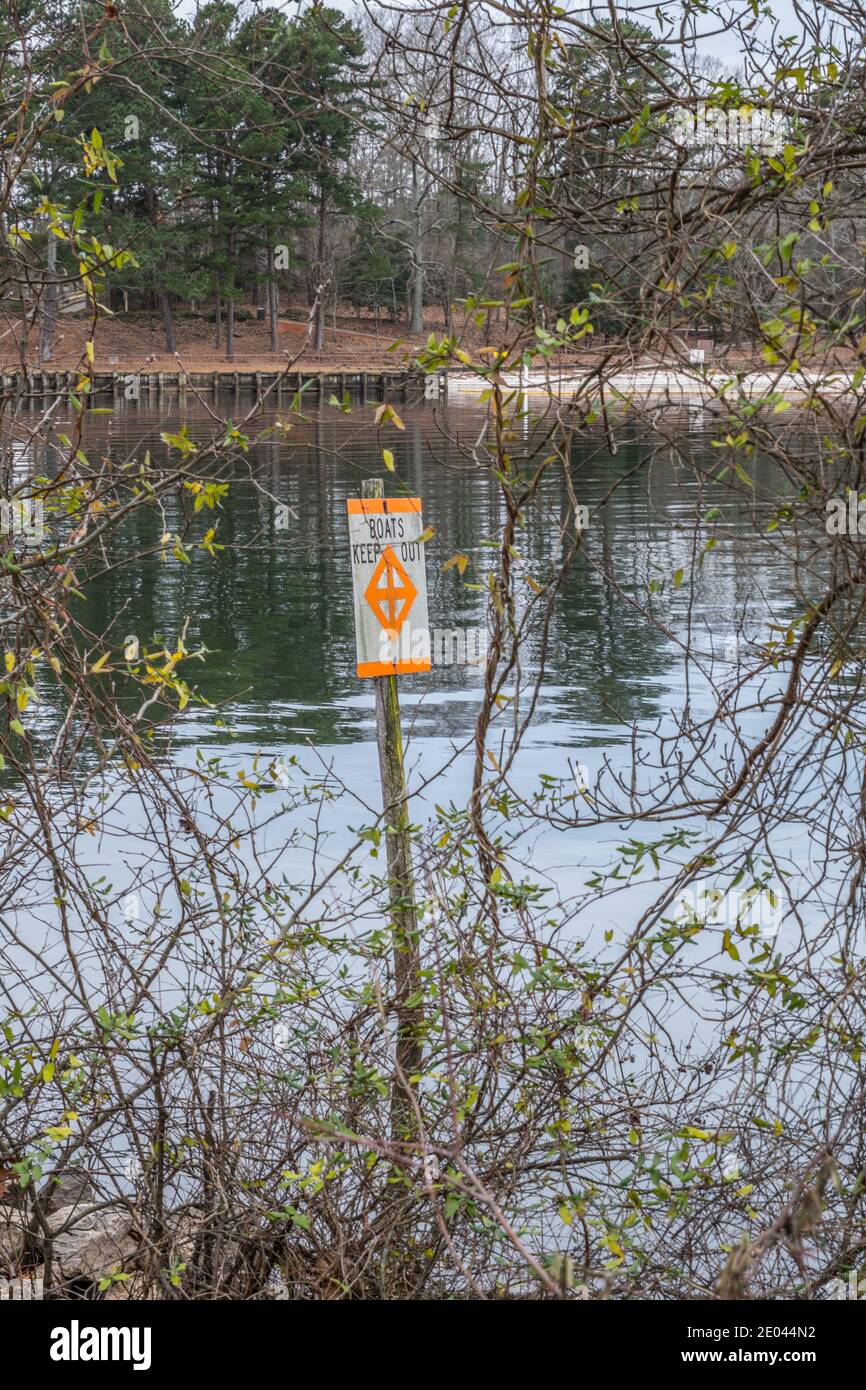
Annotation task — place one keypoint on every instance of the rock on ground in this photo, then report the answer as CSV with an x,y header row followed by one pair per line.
x,y
71,1189
97,1243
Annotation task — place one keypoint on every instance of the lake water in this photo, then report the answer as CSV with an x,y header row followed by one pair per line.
x,y
274,609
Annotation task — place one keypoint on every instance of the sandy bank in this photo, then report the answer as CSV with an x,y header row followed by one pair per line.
x,y
701,385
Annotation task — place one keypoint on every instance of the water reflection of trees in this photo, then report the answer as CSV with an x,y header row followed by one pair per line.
x,y
275,612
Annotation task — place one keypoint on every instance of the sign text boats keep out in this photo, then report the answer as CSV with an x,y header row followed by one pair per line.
x,y
389,581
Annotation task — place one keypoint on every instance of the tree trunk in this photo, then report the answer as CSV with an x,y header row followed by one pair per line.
x,y
455,287
214,231
167,319
49,302
162,293
230,303
320,274
273,299
416,316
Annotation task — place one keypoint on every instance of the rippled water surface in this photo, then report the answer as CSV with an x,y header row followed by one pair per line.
x,y
274,609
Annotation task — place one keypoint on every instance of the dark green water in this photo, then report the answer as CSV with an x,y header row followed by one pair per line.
x,y
274,609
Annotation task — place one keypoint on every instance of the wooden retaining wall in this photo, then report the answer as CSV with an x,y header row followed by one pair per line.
x,y
280,387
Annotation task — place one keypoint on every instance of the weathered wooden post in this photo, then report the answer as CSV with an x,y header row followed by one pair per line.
x,y
389,580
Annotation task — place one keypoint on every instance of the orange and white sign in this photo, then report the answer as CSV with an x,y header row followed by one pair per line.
x,y
389,580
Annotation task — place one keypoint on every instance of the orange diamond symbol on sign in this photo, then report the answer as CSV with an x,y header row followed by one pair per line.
x,y
390,592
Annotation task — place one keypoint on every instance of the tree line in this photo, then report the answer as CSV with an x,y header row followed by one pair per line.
x,y
261,160
249,163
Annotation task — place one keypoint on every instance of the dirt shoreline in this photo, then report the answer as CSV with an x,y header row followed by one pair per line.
x,y
132,343
135,343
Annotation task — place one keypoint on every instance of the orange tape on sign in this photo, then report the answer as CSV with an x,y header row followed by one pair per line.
x,y
392,668
389,585
379,506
